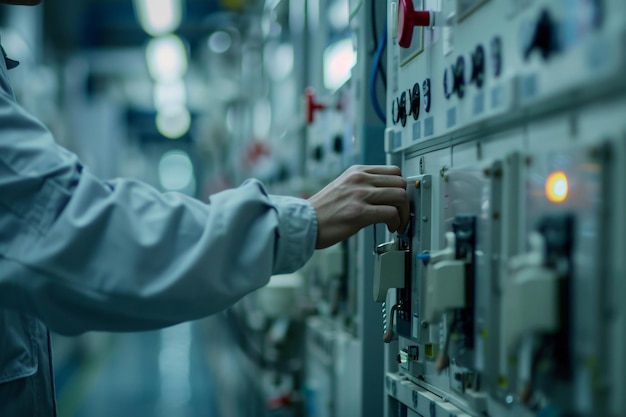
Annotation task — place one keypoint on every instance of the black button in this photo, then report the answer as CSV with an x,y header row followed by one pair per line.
x,y
415,101
338,144
448,83
478,66
459,77
544,38
318,153
395,110
402,107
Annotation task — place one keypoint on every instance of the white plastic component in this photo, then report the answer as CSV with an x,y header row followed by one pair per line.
x,y
389,269
445,281
278,298
530,302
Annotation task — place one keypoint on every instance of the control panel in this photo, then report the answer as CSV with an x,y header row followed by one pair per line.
x,y
503,296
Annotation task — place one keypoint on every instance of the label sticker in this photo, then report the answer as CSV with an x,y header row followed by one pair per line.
x,y
417,130
451,117
497,97
479,103
397,140
528,87
429,126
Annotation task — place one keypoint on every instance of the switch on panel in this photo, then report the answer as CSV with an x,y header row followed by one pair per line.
x,y
445,281
448,271
535,312
539,279
531,284
389,268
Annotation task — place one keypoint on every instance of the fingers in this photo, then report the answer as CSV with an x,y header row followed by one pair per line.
x,y
381,181
377,175
396,199
390,191
388,215
380,169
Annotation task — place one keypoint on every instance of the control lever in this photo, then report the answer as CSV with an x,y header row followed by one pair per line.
x,y
445,280
389,267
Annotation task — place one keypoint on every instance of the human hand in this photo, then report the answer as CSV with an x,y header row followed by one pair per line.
x,y
361,196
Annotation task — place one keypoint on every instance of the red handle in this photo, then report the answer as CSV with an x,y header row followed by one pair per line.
x,y
408,18
311,105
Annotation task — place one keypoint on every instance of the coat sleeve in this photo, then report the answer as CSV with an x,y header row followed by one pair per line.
x,y
84,254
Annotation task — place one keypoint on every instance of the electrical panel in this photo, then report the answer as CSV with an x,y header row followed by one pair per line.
x,y
503,297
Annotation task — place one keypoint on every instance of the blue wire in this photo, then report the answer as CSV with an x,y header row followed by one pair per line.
x,y
373,75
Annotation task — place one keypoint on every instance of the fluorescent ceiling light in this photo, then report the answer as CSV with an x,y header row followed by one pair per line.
x,y
339,58
166,58
176,171
167,94
173,121
159,17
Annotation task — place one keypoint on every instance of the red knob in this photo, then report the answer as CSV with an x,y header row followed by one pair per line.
x,y
311,105
408,18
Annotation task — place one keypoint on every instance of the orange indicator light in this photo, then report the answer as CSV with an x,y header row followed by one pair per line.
x,y
557,187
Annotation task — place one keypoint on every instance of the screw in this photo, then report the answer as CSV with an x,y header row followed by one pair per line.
x,y
487,172
509,399
424,324
425,219
418,183
422,166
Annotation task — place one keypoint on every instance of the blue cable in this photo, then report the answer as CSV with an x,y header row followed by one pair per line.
x,y
373,75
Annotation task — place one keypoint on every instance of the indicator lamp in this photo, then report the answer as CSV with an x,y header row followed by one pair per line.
x,y
557,187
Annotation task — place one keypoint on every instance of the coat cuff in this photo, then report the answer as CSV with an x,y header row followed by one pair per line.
x,y
297,233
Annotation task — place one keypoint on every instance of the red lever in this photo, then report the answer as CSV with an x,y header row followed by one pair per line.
x,y
408,18
311,105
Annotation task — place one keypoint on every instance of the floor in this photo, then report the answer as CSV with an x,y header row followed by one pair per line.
x,y
152,374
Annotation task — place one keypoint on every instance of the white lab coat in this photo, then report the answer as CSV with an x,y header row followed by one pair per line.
x,y
78,253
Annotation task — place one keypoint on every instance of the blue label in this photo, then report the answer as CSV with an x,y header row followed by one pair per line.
x,y
451,117
479,103
599,55
528,87
397,140
429,126
497,97
417,130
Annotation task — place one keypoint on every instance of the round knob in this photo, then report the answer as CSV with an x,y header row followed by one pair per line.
x,y
459,77
478,66
544,37
427,96
415,101
395,111
408,18
402,104
448,82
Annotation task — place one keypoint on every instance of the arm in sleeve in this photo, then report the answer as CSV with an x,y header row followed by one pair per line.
x,y
83,254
